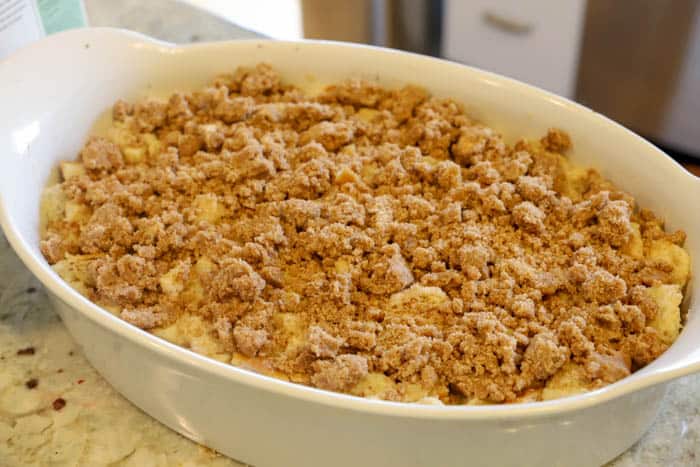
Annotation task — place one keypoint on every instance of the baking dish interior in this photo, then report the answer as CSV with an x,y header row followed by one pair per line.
x,y
53,92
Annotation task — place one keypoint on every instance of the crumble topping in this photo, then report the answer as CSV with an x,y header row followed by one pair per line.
x,y
366,240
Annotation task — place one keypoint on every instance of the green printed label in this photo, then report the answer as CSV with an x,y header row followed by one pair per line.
x,y
58,15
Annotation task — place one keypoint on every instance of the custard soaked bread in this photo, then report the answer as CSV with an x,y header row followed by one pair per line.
x,y
371,241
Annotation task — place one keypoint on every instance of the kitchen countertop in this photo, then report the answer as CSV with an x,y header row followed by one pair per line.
x,y
55,409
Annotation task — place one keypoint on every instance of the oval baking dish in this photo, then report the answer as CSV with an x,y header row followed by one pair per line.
x,y
53,92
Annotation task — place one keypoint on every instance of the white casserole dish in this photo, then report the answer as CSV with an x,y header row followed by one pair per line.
x,y
51,95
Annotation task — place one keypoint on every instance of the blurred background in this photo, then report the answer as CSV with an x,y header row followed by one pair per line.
x,y
636,61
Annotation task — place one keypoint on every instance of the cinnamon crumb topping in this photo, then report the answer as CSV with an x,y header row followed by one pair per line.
x,y
366,240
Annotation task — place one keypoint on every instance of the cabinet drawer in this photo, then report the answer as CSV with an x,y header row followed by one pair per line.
x,y
535,41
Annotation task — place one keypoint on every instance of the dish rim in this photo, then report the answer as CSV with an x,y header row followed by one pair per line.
x,y
200,363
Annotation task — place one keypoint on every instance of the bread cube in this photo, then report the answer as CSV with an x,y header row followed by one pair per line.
x,y
418,294
53,205
76,212
568,381
208,208
74,270
677,257
134,154
122,136
153,146
294,330
668,297
71,169
366,114
374,384
172,282
634,246
204,266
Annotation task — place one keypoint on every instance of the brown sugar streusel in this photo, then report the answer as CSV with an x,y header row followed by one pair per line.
x,y
372,241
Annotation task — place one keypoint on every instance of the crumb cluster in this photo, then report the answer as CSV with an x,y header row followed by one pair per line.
x,y
365,240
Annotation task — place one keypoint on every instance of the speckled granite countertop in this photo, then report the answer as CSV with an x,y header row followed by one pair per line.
x,y
56,410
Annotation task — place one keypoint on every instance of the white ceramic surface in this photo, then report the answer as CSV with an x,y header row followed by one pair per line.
x,y
51,94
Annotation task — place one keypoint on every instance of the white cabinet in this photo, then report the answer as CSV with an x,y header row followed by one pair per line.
x,y
535,41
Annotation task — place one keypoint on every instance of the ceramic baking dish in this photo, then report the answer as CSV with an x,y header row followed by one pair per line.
x,y
51,95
